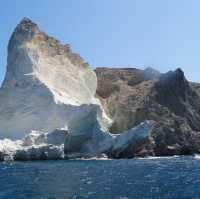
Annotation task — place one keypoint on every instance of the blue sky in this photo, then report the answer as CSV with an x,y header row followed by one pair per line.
x,y
115,33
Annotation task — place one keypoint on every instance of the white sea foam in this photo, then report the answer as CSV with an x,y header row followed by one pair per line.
x,y
158,157
197,156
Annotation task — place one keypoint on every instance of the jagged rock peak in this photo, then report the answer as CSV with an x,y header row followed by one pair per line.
x,y
44,79
177,75
173,91
27,31
26,25
175,80
24,31
179,71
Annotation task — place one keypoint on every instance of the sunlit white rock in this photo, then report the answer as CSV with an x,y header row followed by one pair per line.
x,y
34,146
46,86
46,146
50,92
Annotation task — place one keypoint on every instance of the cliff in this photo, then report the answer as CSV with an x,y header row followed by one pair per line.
x,y
54,106
48,108
45,82
131,96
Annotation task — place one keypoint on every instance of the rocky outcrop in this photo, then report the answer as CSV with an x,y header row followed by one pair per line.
x,y
49,146
48,105
46,87
35,146
169,99
124,94
136,142
174,92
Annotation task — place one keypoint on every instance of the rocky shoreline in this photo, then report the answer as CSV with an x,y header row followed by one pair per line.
x,y
51,146
54,106
168,99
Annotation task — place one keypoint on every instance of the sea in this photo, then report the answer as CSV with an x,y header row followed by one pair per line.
x,y
149,178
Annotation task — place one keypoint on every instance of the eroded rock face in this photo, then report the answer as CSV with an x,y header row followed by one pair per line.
x,y
174,92
46,87
129,144
136,142
169,99
50,91
48,102
35,146
50,146
122,93
42,152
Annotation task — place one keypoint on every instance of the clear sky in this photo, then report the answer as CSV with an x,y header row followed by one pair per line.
x,y
163,34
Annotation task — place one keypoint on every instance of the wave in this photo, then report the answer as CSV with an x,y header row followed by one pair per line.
x,y
158,157
196,156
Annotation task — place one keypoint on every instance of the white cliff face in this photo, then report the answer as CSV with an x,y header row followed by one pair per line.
x,y
48,106
46,86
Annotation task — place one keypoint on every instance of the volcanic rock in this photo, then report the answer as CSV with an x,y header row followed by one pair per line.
x,y
169,99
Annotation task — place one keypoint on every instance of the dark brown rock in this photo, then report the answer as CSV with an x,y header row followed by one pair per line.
x,y
131,96
122,93
174,92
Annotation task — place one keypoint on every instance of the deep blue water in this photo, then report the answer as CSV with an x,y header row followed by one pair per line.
x,y
165,178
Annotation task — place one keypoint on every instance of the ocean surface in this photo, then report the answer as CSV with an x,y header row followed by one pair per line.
x,y
154,178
